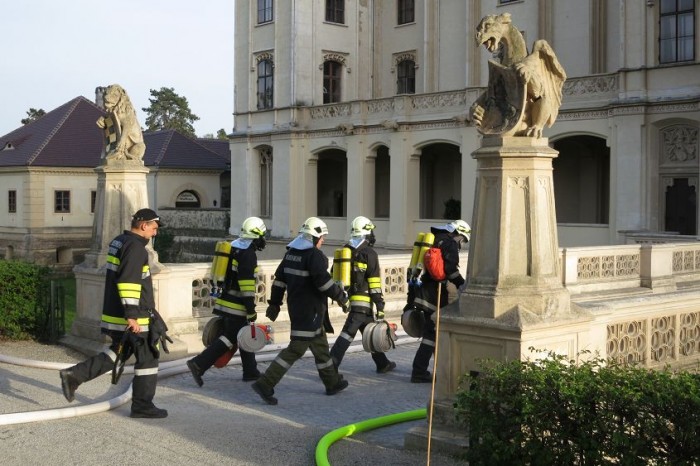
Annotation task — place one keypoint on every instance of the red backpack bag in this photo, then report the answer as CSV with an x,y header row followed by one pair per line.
x,y
433,264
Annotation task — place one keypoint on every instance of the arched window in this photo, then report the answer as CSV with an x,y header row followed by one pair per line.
x,y
406,77
331,81
265,84
188,198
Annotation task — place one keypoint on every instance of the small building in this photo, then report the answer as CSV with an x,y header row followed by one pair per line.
x,y
47,198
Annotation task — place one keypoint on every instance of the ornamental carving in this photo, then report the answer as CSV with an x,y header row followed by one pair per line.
x,y
680,144
626,342
590,86
330,111
444,99
663,338
269,56
336,57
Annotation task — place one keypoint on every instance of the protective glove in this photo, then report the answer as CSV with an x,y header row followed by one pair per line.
x,y
157,334
273,310
252,317
344,302
380,314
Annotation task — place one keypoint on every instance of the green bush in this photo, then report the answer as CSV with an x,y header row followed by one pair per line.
x,y
20,287
596,412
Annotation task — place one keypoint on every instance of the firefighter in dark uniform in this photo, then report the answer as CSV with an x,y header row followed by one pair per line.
x,y
237,303
128,306
303,275
365,293
449,238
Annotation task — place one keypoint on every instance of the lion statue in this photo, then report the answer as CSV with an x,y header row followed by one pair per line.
x,y
525,90
124,139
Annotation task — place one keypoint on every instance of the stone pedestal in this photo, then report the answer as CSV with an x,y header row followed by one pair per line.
x,y
514,296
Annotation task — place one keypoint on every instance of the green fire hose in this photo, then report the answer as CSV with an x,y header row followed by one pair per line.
x,y
369,424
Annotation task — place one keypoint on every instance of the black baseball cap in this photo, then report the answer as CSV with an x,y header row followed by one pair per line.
x,y
147,215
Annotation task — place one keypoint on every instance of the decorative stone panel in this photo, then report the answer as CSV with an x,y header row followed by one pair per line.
x,y
689,334
663,338
394,279
626,342
608,266
679,145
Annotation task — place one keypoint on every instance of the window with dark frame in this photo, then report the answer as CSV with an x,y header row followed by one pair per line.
x,y
331,82
264,11
676,31
265,84
406,77
406,13
61,202
266,182
335,11
12,201
93,200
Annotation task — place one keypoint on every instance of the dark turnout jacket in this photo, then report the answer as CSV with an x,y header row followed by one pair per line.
x,y
303,275
426,294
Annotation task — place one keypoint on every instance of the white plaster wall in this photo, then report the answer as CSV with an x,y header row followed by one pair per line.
x,y
10,182
171,183
80,184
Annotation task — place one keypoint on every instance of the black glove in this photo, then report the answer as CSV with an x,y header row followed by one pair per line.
x,y
157,334
252,317
344,302
273,310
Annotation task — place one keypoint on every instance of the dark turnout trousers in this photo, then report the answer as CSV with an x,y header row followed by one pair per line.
x,y
355,321
232,325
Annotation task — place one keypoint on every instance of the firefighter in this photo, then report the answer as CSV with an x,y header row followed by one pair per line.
x,y
128,306
303,275
449,238
365,292
236,305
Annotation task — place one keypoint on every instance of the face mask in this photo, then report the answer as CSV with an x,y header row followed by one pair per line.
x,y
371,239
259,243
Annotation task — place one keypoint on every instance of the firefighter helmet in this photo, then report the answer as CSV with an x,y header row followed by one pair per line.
x,y
461,228
315,227
253,228
361,226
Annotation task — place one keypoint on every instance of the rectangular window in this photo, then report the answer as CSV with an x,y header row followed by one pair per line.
x,y
331,82
676,31
12,201
265,84
264,11
406,77
406,11
61,202
93,199
335,11
266,182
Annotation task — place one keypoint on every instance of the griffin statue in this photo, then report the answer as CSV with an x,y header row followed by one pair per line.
x,y
524,91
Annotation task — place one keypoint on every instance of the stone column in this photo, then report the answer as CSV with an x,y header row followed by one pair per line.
x,y
514,250
514,298
121,191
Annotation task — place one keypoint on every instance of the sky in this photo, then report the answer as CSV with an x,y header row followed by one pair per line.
x,y
52,51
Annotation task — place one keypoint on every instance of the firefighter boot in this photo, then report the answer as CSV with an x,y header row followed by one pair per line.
x,y
69,384
196,372
342,384
250,369
420,372
265,393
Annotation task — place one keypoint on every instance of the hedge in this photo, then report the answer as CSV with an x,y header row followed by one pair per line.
x,y
596,412
21,284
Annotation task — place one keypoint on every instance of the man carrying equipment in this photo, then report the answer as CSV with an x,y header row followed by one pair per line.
x,y
365,293
129,306
237,303
303,275
449,239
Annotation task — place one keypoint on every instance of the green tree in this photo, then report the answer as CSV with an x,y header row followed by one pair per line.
x,y
33,114
168,110
221,134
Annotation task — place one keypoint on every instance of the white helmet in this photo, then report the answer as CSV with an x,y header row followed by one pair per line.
x,y
461,228
253,228
315,227
361,226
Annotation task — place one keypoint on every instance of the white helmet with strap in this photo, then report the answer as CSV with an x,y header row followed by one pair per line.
x,y
361,226
253,228
315,227
461,228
